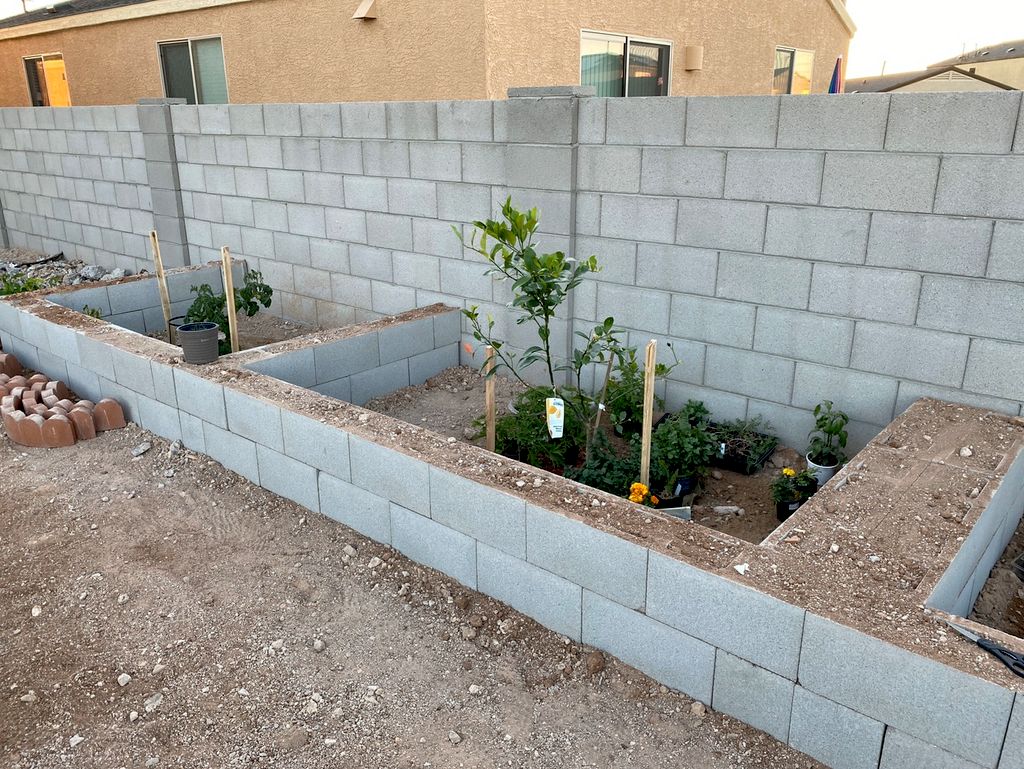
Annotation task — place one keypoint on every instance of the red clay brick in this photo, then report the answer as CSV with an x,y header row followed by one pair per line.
x,y
32,431
65,404
38,378
17,381
9,364
86,404
59,389
58,432
109,415
50,399
85,428
12,424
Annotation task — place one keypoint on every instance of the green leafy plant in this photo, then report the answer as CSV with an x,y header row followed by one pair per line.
x,y
607,469
624,402
695,412
523,435
20,283
828,438
745,442
792,486
209,307
92,312
679,450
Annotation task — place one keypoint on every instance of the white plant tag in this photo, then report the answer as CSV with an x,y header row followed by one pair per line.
x,y
556,416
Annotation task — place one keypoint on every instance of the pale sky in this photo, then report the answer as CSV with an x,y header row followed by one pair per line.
x,y
902,35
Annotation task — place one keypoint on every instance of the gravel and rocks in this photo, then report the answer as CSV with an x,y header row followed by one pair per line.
x,y
54,269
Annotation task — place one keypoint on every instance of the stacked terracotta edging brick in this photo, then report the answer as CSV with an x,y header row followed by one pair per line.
x,y
40,413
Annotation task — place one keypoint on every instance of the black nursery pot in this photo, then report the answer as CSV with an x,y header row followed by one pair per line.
x,y
785,509
199,342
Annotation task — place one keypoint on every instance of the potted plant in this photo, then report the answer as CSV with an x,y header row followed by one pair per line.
x,y
744,445
199,341
790,489
826,442
680,454
209,307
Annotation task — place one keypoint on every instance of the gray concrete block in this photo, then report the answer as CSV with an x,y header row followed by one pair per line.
x,y
636,308
231,150
995,368
484,513
764,279
921,697
288,478
413,197
355,507
901,751
306,220
821,234
682,171
886,182
429,364
858,292
617,259
281,120
299,154
961,122
600,562
335,360
465,121
367,385
409,120
391,474
670,657
930,243
447,328
676,268
342,156
838,737
435,237
253,418
815,121
976,307
286,186
321,119
636,218
340,389
466,279
777,176
463,202
234,452
345,225
1013,748
865,397
1006,259
214,119
538,167
609,169
428,542
366,193
200,397
438,161
534,121
132,371
163,382
128,399
483,163
753,695
405,339
912,391
417,270
373,263
926,356
758,628
386,158
646,120
712,320
591,120
552,601
749,373
804,336
726,224
246,119
734,121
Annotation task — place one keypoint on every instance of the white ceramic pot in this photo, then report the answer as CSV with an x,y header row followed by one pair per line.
x,y
822,472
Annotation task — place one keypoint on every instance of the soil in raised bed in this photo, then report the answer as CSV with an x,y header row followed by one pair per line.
x,y
264,328
1001,601
451,403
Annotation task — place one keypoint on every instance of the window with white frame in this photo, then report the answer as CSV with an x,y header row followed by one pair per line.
x,y
193,70
620,65
793,70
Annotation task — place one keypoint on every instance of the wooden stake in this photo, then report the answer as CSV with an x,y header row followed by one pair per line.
x,y
229,294
650,360
489,405
601,404
161,281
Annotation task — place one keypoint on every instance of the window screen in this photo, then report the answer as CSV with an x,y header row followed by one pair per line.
x,y
177,67
648,69
208,60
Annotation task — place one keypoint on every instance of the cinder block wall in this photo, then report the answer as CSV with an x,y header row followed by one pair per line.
x,y
75,180
865,248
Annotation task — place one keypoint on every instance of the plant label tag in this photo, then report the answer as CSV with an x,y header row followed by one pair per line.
x,y
556,416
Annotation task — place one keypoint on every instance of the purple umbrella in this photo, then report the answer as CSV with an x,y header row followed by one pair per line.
x,y
836,86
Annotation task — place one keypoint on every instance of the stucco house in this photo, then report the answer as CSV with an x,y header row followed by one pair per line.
x,y
245,51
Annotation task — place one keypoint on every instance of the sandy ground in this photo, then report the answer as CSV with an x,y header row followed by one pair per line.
x,y
210,593
451,402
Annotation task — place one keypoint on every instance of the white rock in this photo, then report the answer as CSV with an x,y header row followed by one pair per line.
x,y
834,548
124,679
30,697
37,610
475,690
698,709
76,740
153,702
157,668
243,692
330,742
454,738
319,645
374,562
141,449
152,761
966,451
742,568
349,550
277,645
122,599
133,716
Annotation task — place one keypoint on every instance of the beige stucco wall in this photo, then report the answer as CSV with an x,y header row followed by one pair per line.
x,y
276,51
1008,71
312,50
739,39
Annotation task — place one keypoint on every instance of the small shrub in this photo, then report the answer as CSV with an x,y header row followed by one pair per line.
x,y
680,449
828,438
745,442
607,469
92,312
524,434
20,283
624,403
792,486
209,307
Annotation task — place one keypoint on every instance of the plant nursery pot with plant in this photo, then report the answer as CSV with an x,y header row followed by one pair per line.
x,y
681,451
826,442
791,489
199,341
744,445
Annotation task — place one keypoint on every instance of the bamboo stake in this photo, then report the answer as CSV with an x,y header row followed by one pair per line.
x,y
604,394
161,281
229,295
489,405
650,359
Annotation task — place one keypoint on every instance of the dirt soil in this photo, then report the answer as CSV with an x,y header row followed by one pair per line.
x,y
1001,601
162,611
263,328
451,402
